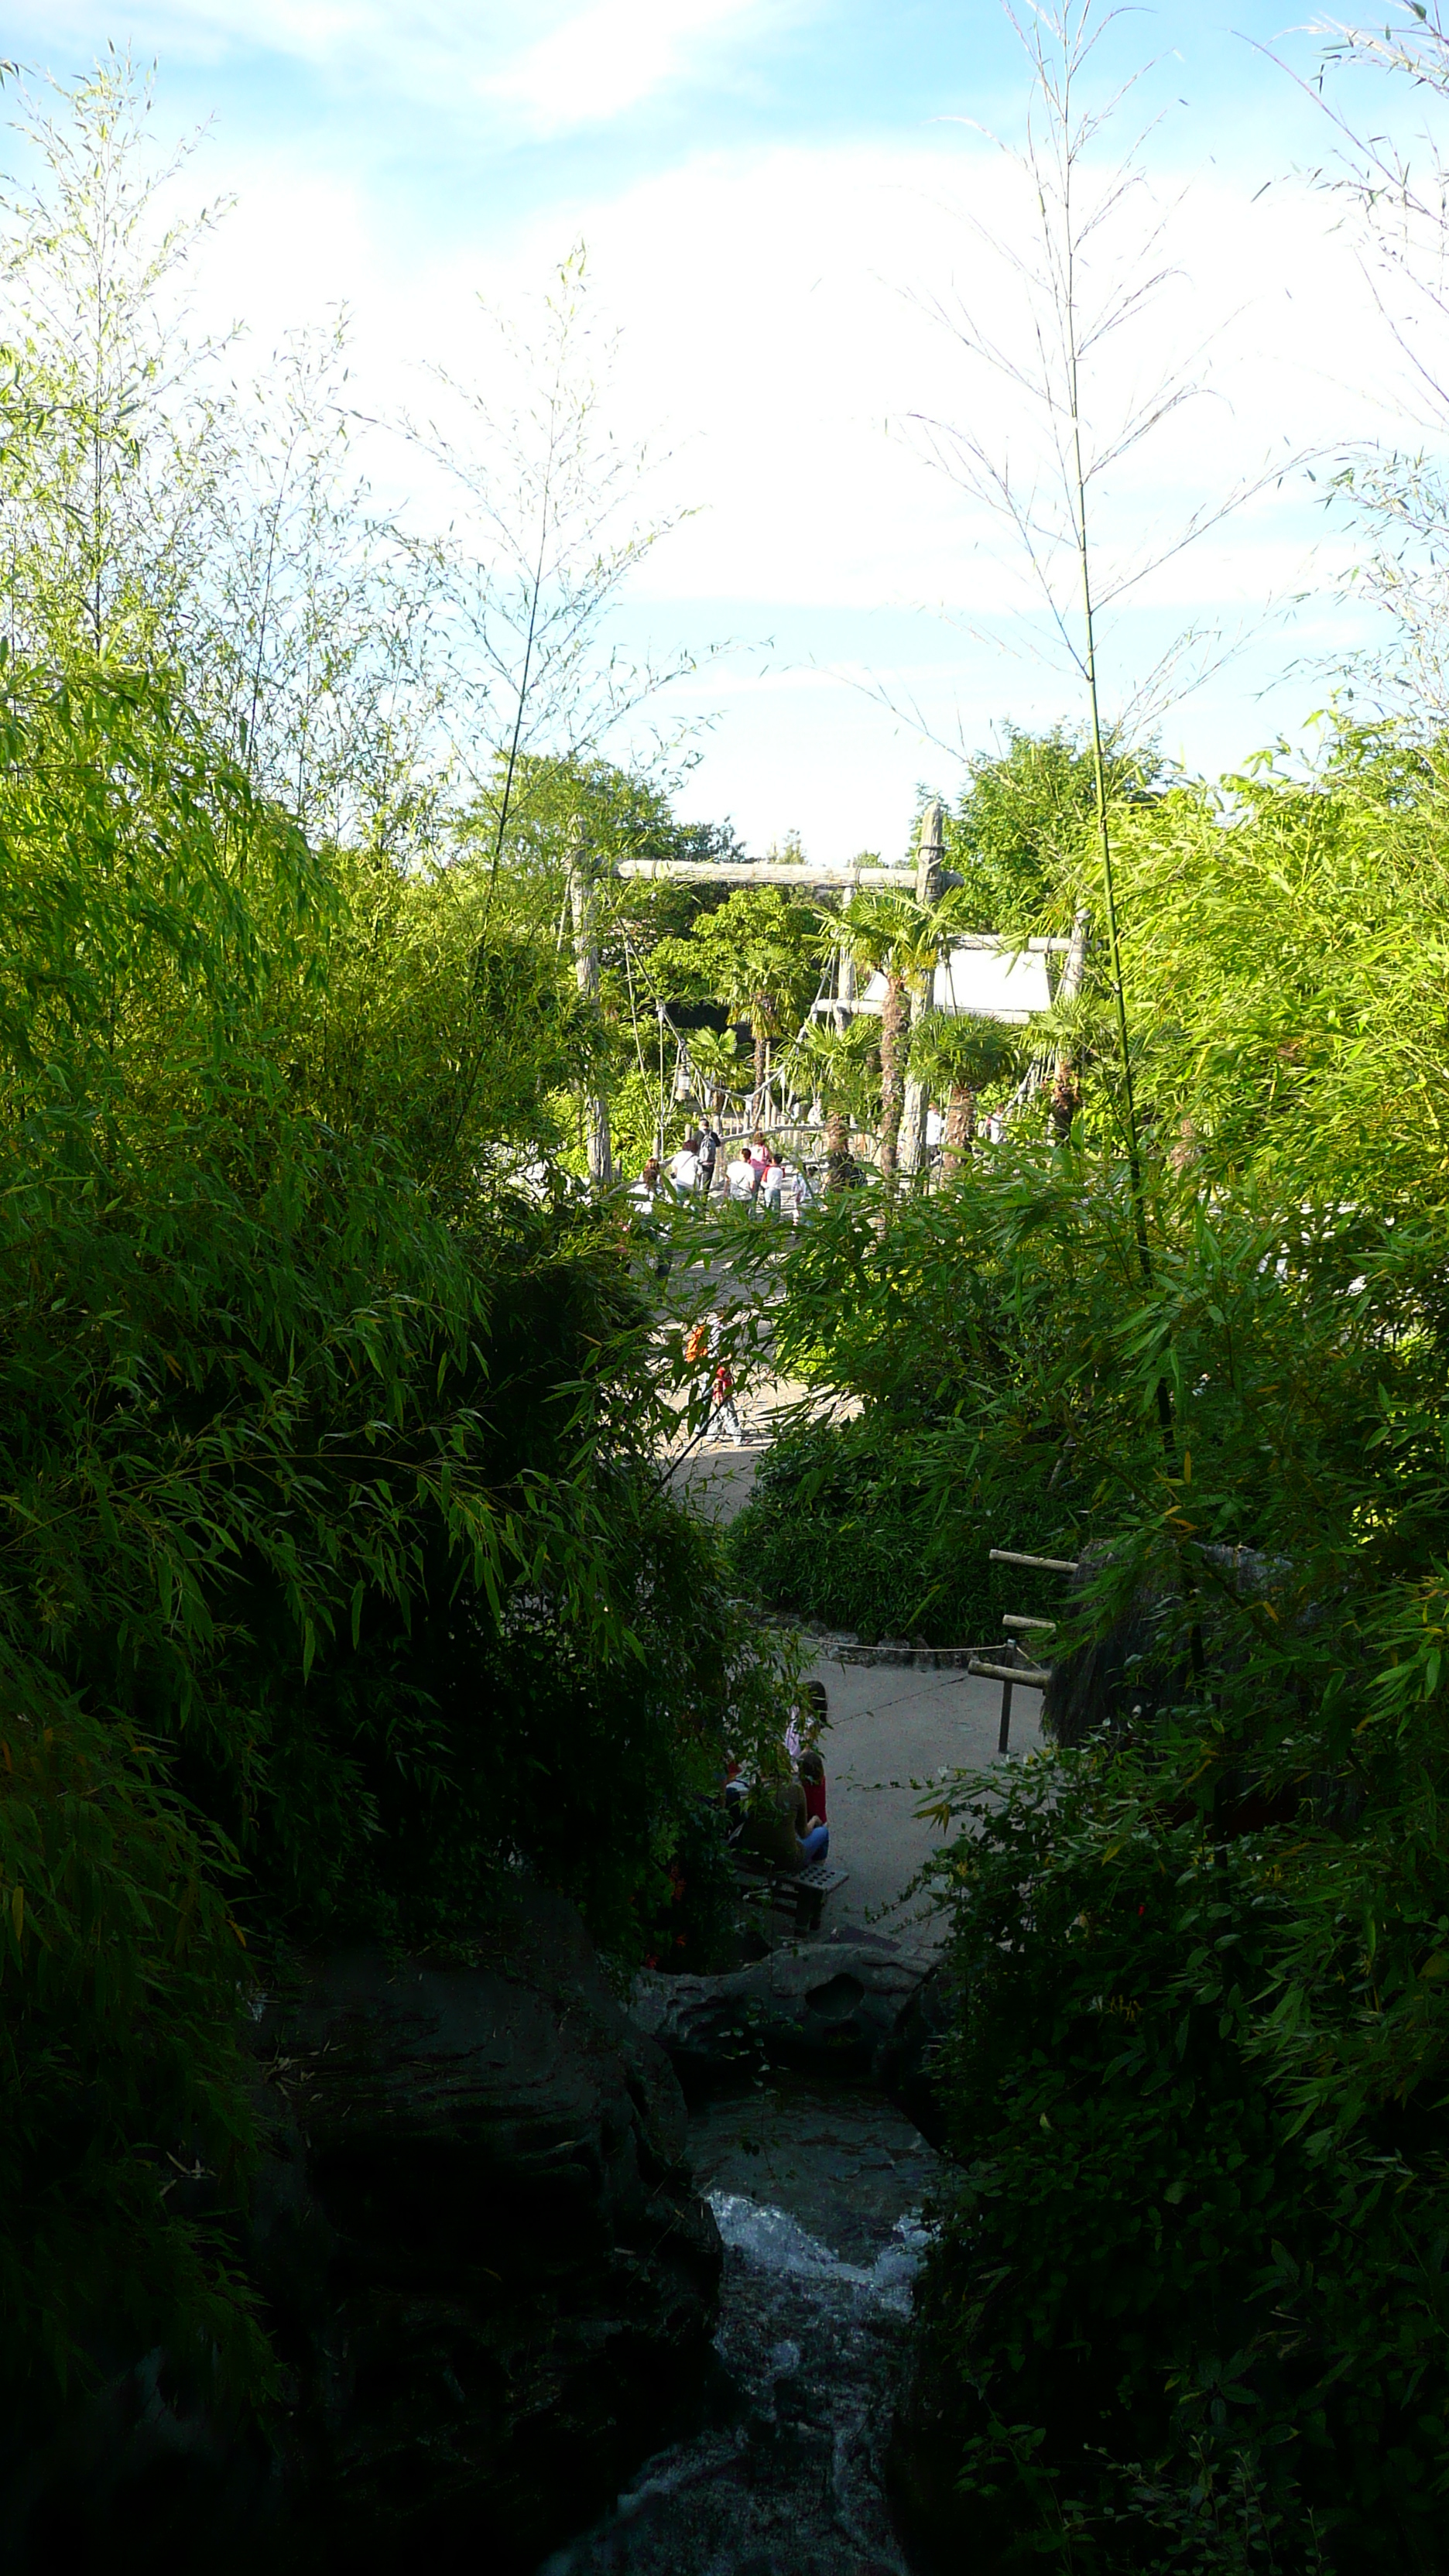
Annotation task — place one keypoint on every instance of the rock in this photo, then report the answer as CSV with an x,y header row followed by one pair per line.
x,y
904,2066
944,2532
827,2006
485,2262
486,2273
140,2474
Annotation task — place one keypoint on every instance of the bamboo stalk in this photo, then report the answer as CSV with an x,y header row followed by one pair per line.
x,y
1045,1564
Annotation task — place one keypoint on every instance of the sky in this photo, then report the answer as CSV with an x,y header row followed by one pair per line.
x,y
797,213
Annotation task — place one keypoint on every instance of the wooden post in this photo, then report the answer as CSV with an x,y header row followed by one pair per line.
x,y
1004,1736
931,854
930,862
1076,965
586,967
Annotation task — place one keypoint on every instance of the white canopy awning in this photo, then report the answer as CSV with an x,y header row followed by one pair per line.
x,y
978,983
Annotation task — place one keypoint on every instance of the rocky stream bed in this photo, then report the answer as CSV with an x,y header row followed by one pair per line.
x,y
816,2187
549,2283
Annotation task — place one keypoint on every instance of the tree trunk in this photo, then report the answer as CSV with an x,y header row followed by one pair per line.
x,y
839,1166
960,1126
894,1026
1066,1100
586,971
914,1151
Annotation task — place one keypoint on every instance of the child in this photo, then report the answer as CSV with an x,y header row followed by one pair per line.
x,y
725,1419
815,1841
812,1781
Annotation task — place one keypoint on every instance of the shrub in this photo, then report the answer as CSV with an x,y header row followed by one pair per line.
x,y
1178,2253
122,1971
878,1527
332,1524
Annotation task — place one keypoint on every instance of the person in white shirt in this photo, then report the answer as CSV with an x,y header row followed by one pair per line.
x,y
741,1177
684,1168
772,1181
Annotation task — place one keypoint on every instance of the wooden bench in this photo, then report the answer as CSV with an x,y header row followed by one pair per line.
x,y
801,1892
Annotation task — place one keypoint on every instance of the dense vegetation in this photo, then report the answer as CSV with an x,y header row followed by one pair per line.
x,y
339,1577
1189,2300
886,1530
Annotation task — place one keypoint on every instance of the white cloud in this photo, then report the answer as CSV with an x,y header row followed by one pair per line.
x,y
612,56
556,67
770,332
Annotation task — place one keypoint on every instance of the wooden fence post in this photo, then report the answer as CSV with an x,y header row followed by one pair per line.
x,y
930,861
582,903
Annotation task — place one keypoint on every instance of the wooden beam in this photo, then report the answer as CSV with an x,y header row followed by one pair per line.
x,y
744,872
1045,1564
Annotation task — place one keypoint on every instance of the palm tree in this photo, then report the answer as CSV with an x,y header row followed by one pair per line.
x,y
714,1059
965,1056
757,952
838,1063
895,936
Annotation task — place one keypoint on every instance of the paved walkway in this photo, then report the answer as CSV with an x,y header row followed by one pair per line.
x,y
893,1733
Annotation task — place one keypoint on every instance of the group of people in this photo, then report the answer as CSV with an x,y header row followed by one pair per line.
x,y
702,1348
783,1821
754,1176
690,1172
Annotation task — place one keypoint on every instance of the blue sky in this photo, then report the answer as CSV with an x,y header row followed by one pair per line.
x,y
767,188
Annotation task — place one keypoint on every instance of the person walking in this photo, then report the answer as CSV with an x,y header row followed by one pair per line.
x,y
742,1178
772,1182
684,1169
725,1420
699,1345
707,1154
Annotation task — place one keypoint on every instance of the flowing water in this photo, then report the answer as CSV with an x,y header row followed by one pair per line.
x,y
816,2189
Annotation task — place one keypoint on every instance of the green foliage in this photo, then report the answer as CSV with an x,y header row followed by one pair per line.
x,y
1176,2248
340,1575
963,1057
885,1527
843,1067
1021,834
326,1472
584,803
1283,975
757,954
120,1971
1188,2303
